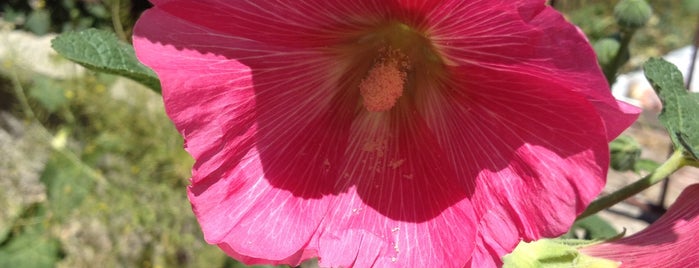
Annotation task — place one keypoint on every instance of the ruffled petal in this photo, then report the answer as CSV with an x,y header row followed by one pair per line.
x,y
539,154
672,241
509,145
525,36
530,104
247,128
294,24
269,145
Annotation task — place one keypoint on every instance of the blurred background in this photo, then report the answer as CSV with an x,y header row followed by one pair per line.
x,y
92,172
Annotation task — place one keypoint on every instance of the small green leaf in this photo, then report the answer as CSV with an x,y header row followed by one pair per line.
x,y
594,228
50,95
39,21
691,5
32,248
646,165
680,107
67,185
102,51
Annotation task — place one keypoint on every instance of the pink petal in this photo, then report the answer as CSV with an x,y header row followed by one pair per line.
x,y
290,23
525,36
672,241
237,193
529,114
214,103
538,153
403,202
511,145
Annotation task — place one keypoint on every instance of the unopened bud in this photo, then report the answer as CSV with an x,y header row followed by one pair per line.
x,y
632,13
625,152
606,50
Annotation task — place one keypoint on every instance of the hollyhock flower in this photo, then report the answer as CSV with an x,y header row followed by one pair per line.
x,y
671,241
382,133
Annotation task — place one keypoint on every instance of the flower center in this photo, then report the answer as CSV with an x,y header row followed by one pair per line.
x,y
384,83
388,63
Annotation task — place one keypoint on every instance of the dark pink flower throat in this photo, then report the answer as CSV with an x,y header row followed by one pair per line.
x,y
390,59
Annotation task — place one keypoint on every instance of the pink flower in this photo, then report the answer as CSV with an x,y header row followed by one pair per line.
x,y
672,241
386,133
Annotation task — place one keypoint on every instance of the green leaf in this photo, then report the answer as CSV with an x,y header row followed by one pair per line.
x,y
594,228
102,51
691,5
680,107
39,21
32,248
49,94
67,185
646,165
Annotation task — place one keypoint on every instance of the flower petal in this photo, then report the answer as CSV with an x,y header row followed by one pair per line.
x,y
276,125
230,121
269,145
525,36
539,153
528,94
293,24
405,201
671,241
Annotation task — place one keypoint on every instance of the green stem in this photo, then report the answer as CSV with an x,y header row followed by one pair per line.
x,y
116,21
675,162
621,56
626,35
693,162
19,91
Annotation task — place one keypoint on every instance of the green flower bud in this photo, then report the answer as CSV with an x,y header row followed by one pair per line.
x,y
632,13
625,153
550,253
606,49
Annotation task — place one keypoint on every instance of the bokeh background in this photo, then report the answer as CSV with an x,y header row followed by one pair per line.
x,y
92,172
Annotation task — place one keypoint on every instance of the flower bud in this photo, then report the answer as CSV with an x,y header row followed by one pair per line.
x,y
625,152
632,13
606,49
554,253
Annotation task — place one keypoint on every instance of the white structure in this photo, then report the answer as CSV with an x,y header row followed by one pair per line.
x,y
635,89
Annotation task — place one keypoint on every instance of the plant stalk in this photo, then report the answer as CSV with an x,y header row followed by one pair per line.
x,y
116,21
675,162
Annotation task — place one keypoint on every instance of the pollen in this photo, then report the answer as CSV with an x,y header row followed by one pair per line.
x,y
383,85
396,163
